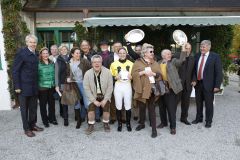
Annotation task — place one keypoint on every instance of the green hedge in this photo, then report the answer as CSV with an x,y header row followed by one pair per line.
x,y
14,32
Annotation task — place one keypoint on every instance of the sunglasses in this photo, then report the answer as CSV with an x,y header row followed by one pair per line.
x,y
151,51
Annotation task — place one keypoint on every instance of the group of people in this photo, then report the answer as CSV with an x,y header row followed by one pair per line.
x,y
114,85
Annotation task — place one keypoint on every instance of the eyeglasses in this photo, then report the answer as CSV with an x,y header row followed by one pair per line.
x,y
151,51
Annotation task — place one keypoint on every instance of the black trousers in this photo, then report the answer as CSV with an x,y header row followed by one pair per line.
x,y
28,108
185,101
151,111
46,98
206,96
63,110
60,108
168,104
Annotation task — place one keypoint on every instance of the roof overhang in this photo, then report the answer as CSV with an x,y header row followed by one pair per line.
x,y
148,21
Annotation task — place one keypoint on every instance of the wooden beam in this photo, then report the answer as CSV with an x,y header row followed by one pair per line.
x,y
130,9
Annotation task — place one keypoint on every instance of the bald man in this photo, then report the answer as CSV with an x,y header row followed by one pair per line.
x,y
186,74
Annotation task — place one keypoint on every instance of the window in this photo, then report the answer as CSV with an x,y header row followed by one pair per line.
x,y
46,38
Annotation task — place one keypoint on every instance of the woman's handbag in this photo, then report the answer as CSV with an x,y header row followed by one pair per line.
x,y
69,95
163,87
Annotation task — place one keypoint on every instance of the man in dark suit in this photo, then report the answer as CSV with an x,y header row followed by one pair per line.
x,y
25,79
207,80
186,74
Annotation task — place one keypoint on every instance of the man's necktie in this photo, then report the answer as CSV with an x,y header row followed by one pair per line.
x,y
199,77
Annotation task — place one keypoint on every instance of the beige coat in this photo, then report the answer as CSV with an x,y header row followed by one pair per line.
x,y
106,81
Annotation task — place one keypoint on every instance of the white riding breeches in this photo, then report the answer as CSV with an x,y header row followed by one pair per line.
x,y
123,93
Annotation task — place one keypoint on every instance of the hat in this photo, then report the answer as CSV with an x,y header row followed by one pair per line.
x,y
104,42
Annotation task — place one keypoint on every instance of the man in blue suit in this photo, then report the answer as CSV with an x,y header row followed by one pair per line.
x,y
25,80
207,80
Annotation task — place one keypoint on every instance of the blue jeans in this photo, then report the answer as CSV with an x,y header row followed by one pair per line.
x,y
85,102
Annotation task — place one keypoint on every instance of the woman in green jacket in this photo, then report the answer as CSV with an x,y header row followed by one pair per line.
x,y
46,84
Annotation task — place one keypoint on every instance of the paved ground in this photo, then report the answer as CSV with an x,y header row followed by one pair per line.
x,y
195,142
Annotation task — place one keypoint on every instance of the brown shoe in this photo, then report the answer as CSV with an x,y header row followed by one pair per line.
x,y
161,125
106,127
29,133
37,129
90,129
173,131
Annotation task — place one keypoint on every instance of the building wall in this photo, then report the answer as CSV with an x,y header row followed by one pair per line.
x,y
57,19
28,17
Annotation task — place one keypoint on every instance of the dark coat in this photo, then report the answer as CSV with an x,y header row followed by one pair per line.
x,y
186,72
25,72
62,70
132,53
107,63
89,55
212,73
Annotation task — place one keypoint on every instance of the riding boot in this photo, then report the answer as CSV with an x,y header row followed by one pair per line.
x,y
77,115
128,119
119,118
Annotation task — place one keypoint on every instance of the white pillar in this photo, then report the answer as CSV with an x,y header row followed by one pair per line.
x,y
5,101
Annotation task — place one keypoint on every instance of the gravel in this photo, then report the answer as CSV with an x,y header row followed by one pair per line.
x,y
195,142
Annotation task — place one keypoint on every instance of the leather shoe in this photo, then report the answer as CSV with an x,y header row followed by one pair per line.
x,y
29,133
139,127
46,125
82,119
173,131
65,122
208,125
154,134
37,129
185,122
112,121
161,125
54,122
90,129
196,121
106,127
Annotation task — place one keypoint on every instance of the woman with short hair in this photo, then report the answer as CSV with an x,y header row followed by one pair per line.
x,y
60,78
169,69
145,73
46,84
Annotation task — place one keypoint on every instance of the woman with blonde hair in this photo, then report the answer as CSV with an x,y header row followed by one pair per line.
x,y
60,78
145,73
